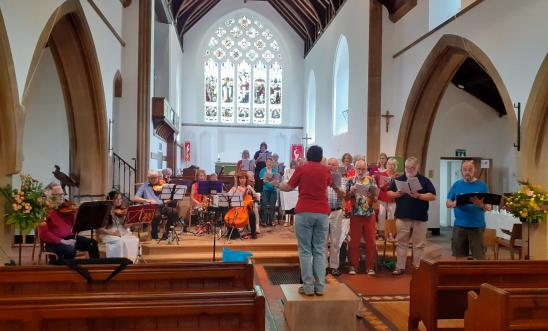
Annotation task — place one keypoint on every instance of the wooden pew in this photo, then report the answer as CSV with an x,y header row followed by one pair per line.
x,y
173,311
439,289
183,277
507,309
175,296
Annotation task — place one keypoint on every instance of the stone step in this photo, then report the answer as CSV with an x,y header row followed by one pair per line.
x,y
258,257
152,248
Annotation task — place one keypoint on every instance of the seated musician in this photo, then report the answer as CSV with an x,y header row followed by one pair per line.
x,y
118,239
56,231
166,174
149,193
212,177
197,199
246,189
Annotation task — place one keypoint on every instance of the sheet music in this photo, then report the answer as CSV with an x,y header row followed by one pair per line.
x,y
365,190
336,178
402,186
385,180
231,199
263,156
414,184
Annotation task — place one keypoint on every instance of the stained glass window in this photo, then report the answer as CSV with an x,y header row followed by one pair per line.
x,y
243,73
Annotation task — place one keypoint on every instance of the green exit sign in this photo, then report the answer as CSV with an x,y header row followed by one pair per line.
x,y
460,152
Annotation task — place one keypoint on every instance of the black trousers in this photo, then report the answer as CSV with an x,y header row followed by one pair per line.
x,y
69,252
172,217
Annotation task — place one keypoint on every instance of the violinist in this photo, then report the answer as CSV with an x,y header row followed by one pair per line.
x,y
148,193
198,200
166,175
56,231
118,239
249,194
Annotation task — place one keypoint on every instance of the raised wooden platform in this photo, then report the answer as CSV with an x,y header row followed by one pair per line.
x,y
274,245
335,310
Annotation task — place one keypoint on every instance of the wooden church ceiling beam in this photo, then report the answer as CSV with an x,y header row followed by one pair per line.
x,y
301,31
398,8
289,15
202,9
321,10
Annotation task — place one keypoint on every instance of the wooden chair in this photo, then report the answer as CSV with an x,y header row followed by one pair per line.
x,y
390,231
490,240
512,244
42,251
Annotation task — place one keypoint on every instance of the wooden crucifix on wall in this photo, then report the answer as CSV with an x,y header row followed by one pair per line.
x,y
387,116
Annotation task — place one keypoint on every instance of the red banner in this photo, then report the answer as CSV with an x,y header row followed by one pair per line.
x,y
187,151
296,151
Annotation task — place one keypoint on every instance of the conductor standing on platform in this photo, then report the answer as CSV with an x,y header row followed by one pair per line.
x,y
312,224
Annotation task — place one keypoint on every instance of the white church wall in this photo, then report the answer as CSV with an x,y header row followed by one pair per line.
x,y
353,22
464,122
516,50
127,126
45,139
209,141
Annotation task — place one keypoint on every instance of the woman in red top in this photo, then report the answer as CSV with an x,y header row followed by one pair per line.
x,y
387,205
311,220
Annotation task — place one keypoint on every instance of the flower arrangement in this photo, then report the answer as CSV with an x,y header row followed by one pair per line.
x,y
26,207
529,203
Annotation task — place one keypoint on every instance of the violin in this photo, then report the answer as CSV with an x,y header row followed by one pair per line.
x,y
158,187
67,207
120,211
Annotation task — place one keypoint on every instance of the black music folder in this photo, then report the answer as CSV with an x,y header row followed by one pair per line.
x,y
488,198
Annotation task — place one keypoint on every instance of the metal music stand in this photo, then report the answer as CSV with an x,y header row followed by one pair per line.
x,y
174,193
91,215
231,200
139,215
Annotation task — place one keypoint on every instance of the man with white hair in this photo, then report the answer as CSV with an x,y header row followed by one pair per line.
x,y
146,195
411,214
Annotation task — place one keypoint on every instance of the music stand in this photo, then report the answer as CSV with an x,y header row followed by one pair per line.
x,y
174,193
91,215
208,187
139,215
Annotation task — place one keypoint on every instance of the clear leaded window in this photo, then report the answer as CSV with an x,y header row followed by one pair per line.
x,y
243,74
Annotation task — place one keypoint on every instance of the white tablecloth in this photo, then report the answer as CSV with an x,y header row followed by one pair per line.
x,y
498,221
288,200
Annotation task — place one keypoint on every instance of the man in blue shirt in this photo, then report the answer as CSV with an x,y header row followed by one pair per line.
x,y
146,195
469,219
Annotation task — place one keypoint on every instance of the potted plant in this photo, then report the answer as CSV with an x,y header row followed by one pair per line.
x,y
25,207
529,203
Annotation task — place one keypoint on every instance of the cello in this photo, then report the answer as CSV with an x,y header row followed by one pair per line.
x,y
238,217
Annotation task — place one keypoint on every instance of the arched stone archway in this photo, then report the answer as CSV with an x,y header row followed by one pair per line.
x,y
11,115
429,87
533,158
69,37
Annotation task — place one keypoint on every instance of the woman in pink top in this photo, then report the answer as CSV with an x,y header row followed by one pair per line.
x,y
387,205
